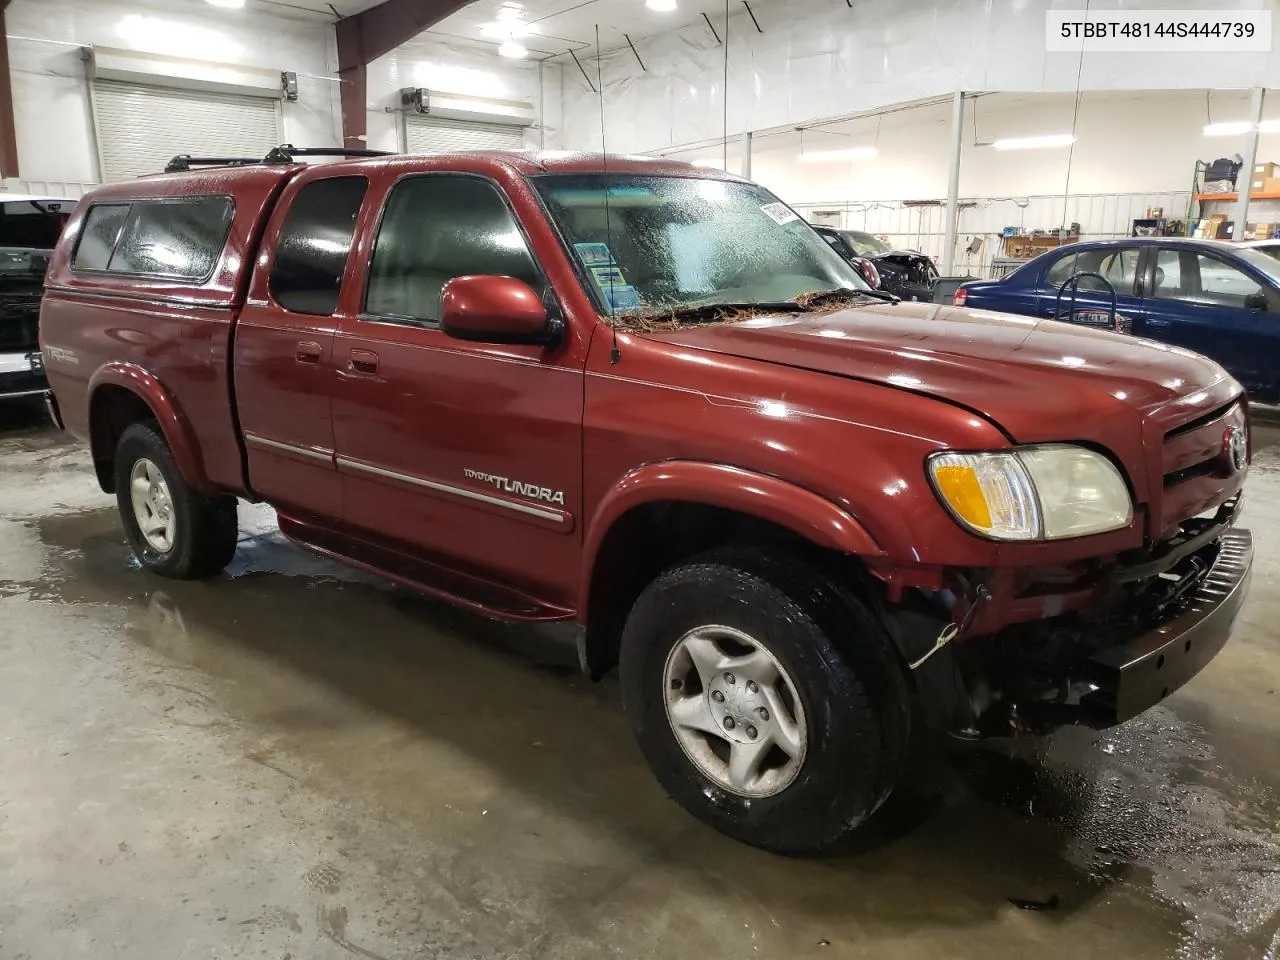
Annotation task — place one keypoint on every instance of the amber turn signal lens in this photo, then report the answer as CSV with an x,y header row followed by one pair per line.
x,y
961,489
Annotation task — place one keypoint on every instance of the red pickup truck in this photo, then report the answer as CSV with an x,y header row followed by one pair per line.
x,y
801,518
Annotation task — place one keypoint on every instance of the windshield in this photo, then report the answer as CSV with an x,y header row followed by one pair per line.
x,y
677,242
865,244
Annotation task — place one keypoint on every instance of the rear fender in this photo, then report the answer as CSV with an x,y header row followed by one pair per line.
x,y
802,511
176,429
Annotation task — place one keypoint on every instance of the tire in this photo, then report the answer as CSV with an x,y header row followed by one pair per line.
x,y
846,687
202,537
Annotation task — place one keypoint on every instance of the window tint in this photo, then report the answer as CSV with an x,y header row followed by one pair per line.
x,y
311,255
1199,278
1168,279
1061,270
98,235
1118,265
435,228
1224,283
173,238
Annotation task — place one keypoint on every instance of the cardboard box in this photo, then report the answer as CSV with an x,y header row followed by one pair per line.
x,y
1263,170
1217,227
1263,231
1265,185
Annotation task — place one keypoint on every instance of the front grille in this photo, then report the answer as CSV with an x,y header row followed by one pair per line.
x,y
1197,468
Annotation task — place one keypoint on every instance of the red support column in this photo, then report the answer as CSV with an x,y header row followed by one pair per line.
x,y
365,36
8,132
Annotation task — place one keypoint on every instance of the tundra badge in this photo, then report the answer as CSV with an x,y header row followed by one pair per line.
x,y
506,485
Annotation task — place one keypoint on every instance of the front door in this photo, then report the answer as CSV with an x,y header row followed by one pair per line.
x,y
1204,301
468,451
284,366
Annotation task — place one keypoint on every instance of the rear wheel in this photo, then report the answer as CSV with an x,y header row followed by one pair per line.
x,y
767,701
174,531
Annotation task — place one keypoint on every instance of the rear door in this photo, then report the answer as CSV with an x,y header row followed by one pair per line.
x,y
1210,302
284,367
1091,305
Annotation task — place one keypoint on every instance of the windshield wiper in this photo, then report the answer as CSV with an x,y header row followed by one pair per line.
x,y
826,295
728,309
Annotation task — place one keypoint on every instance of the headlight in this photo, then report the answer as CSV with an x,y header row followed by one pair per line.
x,y
1034,493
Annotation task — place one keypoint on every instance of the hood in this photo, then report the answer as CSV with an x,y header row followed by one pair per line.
x,y
1037,379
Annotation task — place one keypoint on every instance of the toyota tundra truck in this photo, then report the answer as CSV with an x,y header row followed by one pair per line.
x,y
800,518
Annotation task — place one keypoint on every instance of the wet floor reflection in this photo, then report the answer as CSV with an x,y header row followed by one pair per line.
x,y
434,717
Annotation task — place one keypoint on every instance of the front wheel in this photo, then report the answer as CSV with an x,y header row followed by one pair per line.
x,y
173,530
768,702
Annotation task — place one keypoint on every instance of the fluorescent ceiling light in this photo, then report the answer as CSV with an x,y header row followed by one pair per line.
x,y
512,49
1035,143
506,30
228,4
1231,129
827,156
665,6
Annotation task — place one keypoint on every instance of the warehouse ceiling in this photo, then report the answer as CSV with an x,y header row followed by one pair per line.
x,y
553,26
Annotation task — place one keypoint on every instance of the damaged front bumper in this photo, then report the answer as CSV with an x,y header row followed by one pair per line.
x,y
1098,666
1132,676
1103,670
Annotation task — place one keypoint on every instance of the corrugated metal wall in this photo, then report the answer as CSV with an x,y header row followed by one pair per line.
x,y
921,227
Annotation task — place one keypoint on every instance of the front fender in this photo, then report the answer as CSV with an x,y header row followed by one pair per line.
x,y
176,429
802,511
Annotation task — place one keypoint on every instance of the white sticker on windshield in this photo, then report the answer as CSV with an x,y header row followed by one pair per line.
x,y
779,212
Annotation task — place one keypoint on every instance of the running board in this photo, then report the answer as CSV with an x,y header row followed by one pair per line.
x,y
421,574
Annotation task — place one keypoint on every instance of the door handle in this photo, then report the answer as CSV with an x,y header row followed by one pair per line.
x,y
363,361
308,352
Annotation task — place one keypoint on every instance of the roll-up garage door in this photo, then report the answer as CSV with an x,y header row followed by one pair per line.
x,y
141,128
432,135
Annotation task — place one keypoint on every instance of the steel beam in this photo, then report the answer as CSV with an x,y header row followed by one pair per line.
x,y
8,132
1244,179
369,34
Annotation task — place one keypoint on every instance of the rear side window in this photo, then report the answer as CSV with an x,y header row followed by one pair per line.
x,y
98,236
311,255
182,239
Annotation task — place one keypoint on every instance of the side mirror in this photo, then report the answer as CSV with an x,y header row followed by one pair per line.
x,y
491,309
1256,301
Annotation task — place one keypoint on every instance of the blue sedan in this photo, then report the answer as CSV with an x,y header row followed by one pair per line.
x,y
1211,297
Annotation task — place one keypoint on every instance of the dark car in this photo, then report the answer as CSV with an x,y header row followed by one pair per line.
x,y
1209,296
905,273
29,229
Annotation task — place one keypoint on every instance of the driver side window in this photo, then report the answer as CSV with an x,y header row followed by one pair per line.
x,y
437,227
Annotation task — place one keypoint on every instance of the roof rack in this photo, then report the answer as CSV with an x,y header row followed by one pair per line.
x,y
184,161
285,153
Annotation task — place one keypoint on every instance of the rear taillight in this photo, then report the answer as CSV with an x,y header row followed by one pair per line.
x,y
961,296
871,274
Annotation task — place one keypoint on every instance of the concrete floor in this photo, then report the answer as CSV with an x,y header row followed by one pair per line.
x,y
296,761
